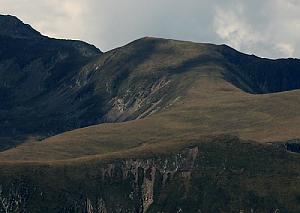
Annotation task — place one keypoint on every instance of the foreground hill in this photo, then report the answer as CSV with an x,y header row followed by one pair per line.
x,y
208,174
177,127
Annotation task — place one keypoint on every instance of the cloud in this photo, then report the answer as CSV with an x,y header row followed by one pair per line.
x,y
285,49
231,28
267,28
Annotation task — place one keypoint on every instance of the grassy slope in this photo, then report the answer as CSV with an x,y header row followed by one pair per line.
x,y
205,103
211,106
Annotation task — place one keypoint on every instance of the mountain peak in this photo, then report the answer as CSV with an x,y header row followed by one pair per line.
x,y
11,26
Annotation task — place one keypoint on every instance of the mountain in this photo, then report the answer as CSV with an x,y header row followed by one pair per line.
x,y
11,26
157,125
68,89
33,71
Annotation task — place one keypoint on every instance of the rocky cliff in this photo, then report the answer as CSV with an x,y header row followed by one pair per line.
x,y
131,185
199,178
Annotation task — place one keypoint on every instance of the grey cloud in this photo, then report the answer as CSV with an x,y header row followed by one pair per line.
x,y
267,28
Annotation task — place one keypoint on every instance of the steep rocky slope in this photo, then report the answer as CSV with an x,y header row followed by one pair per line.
x,y
261,75
217,174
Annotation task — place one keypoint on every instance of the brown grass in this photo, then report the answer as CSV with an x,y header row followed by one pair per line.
x,y
211,106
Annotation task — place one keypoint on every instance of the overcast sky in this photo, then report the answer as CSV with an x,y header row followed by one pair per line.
x,y
268,28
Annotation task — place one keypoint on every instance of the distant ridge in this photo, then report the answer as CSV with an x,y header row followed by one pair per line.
x,y
13,27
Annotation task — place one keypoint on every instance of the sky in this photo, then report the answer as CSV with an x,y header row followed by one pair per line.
x,y
267,28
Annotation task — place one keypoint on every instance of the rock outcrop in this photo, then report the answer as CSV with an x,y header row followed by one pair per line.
x,y
184,181
145,179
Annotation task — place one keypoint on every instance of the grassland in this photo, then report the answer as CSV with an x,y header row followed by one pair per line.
x,y
210,106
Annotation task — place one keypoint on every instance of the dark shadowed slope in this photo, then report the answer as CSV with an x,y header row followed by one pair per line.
x,y
11,26
261,75
33,71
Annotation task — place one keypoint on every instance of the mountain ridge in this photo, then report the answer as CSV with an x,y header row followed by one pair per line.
x,y
11,26
126,83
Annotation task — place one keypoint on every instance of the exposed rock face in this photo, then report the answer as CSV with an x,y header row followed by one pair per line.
x,y
144,181
141,176
14,200
178,182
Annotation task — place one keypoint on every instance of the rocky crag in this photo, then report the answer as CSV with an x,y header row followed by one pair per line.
x,y
196,179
